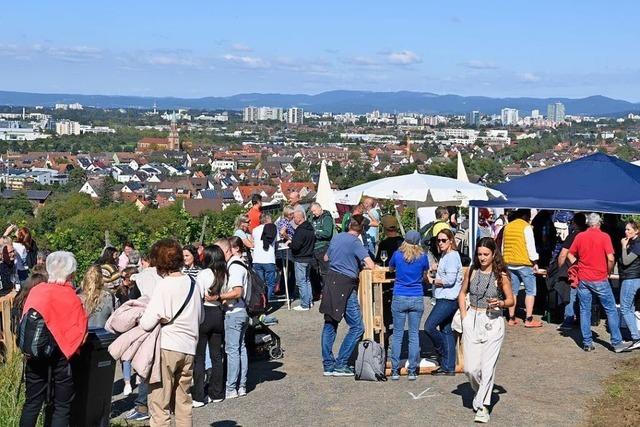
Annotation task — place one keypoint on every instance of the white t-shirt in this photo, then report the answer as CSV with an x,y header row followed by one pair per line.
x,y
260,256
146,280
237,277
21,255
204,280
182,333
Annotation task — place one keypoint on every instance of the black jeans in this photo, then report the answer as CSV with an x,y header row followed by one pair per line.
x,y
212,333
57,414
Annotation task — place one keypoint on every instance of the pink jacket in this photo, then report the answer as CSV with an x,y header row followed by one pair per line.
x,y
136,345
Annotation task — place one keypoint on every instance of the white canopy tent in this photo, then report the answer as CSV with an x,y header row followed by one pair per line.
x,y
324,195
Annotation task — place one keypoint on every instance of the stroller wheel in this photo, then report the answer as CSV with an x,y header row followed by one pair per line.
x,y
276,352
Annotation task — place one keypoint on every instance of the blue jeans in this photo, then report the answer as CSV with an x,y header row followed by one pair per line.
x,y
403,308
303,271
141,399
126,370
353,317
569,309
602,290
235,326
267,272
627,305
525,276
438,327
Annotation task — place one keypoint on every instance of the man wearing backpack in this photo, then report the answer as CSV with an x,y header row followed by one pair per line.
x,y
52,329
431,230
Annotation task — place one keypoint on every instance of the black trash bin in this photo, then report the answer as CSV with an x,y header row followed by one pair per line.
x,y
93,373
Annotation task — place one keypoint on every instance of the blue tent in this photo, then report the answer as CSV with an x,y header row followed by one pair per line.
x,y
595,183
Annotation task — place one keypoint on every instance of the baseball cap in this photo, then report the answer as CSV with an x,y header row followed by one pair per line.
x,y
412,237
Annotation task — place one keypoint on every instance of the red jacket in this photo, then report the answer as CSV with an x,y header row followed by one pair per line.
x,y
62,312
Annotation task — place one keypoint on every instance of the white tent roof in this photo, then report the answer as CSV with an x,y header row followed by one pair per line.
x,y
426,190
324,195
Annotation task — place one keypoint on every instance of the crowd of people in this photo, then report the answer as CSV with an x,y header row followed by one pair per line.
x,y
190,301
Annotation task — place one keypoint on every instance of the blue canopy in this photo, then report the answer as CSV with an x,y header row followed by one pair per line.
x,y
595,183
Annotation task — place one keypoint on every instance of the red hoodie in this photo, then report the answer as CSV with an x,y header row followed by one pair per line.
x,y
63,313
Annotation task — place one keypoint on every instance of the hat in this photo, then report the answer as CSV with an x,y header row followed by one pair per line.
x,y
390,222
412,237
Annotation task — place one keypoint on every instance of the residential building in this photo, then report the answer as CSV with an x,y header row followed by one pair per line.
x,y
473,118
509,116
295,116
555,112
67,127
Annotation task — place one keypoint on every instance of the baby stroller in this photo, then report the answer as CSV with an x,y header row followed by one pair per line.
x,y
262,342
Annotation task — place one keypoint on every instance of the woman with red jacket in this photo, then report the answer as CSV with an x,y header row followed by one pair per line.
x,y
56,301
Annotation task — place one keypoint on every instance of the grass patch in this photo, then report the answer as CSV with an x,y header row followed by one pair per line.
x,y
619,404
10,403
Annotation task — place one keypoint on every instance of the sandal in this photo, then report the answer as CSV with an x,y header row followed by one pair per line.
x,y
513,321
530,323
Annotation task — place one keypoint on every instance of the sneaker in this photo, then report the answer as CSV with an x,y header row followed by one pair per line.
x,y
622,346
635,345
412,376
242,391
197,404
531,323
588,348
564,327
127,390
482,415
395,376
300,308
215,400
343,372
327,374
134,415
231,394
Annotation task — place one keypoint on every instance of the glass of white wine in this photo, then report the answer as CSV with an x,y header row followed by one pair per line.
x,y
384,258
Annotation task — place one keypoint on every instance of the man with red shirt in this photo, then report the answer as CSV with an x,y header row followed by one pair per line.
x,y
254,212
593,251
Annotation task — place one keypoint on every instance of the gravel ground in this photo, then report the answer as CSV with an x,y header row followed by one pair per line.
x,y
543,379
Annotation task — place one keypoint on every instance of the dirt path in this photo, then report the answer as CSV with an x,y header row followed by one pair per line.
x,y
543,379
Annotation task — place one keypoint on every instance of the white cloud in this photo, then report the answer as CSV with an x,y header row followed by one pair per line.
x,y
405,57
362,61
529,77
241,47
246,61
63,53
479,65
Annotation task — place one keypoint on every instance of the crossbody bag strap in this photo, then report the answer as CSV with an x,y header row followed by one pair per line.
x,y
186,301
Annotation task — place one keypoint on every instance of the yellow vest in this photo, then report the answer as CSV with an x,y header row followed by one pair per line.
x,y
514,246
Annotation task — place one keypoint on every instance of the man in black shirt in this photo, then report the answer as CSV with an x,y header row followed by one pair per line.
x,y
578,225
392,238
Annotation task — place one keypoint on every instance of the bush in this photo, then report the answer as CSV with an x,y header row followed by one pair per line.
x,y
10,402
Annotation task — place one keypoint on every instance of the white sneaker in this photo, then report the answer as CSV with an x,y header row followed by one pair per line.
x,y
634,345
127,390
231,394
197,404
242,391
482,415
300,308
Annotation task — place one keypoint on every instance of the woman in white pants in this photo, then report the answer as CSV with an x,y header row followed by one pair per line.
x,y
488,286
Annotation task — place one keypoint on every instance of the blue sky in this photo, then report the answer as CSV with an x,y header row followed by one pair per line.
x,y
216,48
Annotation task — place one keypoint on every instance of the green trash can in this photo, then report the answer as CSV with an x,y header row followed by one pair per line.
x,y
93,373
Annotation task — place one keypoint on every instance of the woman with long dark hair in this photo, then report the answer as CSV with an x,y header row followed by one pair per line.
x,y
108,262
488,285
210,281
191,265
446,287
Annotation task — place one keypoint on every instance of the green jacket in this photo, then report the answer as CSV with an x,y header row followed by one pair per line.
x,y
324,228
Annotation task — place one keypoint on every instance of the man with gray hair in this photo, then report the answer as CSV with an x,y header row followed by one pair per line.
x,y
301,246
593,251
323,225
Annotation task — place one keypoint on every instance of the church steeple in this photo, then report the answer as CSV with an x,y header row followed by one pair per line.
x,y
174,138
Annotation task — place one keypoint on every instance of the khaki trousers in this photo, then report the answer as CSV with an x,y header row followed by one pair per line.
x,y
173,391
482,339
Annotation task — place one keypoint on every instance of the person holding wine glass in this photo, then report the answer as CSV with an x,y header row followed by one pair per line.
x,y
383,258
410,263
447,282
488,286
392,238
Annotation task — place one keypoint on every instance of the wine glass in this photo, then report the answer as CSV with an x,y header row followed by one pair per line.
x,y
384,257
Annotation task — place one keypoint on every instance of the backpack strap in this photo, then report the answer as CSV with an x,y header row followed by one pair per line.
x,y
186,301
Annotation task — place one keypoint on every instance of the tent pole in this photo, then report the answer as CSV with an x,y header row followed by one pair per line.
x,y
473,229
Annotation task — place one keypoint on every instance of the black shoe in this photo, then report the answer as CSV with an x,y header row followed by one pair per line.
x,y
440,373
589,347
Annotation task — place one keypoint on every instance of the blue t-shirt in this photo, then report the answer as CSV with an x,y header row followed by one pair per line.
x,y
346,252
409,276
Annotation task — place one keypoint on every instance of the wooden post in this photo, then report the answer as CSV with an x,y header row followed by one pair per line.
x,y
8,338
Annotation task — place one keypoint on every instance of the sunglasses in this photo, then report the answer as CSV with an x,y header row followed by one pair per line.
x,y
443,240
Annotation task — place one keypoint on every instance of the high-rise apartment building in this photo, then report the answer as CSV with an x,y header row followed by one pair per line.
x,y
67,127
509,116
295,116
255,114
473,118
555,112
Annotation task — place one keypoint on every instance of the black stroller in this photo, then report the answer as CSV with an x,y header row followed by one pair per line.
x,y
262,342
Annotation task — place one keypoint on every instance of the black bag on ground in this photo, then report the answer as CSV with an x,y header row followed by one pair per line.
x,y
256,294
34,338
371,361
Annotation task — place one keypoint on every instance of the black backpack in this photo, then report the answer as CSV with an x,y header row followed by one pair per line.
x,y
256,293
34,338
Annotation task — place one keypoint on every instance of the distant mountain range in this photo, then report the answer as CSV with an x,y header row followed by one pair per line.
x,y
336,101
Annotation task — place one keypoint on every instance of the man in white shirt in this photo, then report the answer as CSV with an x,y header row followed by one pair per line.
x,y
264,253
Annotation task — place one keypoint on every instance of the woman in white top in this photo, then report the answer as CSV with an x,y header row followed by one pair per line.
x,y
177,306
210,281
236,318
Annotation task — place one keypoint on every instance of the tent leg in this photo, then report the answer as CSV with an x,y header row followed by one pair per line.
x,y
473,230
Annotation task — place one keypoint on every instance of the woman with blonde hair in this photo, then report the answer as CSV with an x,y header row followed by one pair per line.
x,y
410,263
98,302
242,231
446,282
